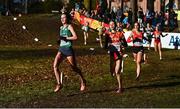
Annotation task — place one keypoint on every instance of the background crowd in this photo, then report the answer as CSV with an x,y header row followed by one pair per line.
x,y
167,19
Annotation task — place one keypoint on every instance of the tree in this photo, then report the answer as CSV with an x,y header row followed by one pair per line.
x,y
26,6
150,5
122,5
134,6
163,6
6,4
87,4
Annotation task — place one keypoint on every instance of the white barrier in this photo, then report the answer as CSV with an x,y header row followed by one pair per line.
x,y
171,41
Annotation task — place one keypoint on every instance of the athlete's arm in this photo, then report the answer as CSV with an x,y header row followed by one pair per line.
x,y
163,35
124,43
74,36
130,39
145,37
153,35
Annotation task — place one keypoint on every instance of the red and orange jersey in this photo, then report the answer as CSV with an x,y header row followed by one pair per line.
x,y
156,33
116,36
137,35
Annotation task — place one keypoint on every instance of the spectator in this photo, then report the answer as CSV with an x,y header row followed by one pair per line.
x,y
140,16
148,16
155,20
119,14
172,16
148,32
130,14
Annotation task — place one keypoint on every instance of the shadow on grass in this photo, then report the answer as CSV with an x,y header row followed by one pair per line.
x,y
149,86
19,54
16,54
91,92
174,76
175,59
156,85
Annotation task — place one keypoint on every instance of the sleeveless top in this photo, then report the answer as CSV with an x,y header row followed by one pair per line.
x,y
157,35
137,39
115,40
85,28
65,32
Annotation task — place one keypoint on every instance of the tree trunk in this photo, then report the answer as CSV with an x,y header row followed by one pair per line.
x,y
122,5
163,6
6,4
134,7
150,5
87,4
179,15
26,6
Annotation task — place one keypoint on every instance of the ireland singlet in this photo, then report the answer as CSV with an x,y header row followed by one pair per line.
x,y
65,32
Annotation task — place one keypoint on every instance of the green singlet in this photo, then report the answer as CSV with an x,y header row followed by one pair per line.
x,y
65,32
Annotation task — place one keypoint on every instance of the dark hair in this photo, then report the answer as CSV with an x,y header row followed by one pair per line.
x,y
68,17
159,28
138,25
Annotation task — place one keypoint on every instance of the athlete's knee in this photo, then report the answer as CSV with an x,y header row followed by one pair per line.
x,y
55,67
138,61
118,73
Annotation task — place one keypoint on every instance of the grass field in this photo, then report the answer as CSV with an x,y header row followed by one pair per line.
x,y
27,78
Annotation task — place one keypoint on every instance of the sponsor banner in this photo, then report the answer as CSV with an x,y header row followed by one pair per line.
x,y
178,13
94,24
77,16
171,41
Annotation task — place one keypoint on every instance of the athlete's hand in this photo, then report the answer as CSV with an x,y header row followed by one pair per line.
x,y
64,38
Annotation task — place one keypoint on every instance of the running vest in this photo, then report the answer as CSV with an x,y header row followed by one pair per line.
x,y
157,35
85,28
137,39
115,40
65,32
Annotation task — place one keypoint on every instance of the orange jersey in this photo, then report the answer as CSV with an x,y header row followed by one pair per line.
x,y
116,36
157,34
137,38
157,38
115,40
137,35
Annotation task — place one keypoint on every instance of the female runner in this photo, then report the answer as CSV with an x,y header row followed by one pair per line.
x,y
137,37
67,35
116,42
157,41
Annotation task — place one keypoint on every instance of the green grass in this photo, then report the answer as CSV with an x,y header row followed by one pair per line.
x,y
27,78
